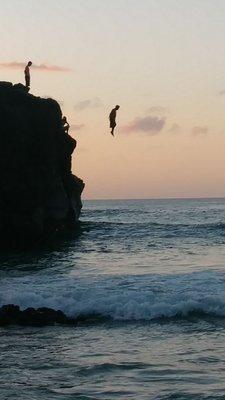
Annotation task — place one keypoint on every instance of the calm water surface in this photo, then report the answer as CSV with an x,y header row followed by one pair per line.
x,y
149,275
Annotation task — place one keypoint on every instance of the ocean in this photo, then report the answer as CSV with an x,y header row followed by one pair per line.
x,y
148,276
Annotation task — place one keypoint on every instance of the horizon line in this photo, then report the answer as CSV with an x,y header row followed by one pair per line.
x,y
155,198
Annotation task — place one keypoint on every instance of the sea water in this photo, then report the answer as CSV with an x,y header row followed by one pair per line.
x,y
148,276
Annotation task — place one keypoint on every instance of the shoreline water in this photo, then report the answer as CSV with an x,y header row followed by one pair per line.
x,y
147,280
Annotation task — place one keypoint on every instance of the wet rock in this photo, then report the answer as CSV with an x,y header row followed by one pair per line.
x,y
9,313
12,315
41,317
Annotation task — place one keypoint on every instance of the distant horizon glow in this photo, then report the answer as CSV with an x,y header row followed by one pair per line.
x,y
154,199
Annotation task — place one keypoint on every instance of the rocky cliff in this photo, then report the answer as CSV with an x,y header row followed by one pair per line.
x,y
39,196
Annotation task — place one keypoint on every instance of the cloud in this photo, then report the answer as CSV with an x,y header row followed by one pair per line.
x,y
77,127
199,130
53,68
158,110
90,103
40,67
149,124
175,128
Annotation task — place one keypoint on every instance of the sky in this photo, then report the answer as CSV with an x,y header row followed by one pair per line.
x,y
162,61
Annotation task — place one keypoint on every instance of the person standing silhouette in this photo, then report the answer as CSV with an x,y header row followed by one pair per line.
x,y
112,119
65,125
27,74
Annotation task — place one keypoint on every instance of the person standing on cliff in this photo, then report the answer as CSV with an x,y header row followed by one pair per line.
x,y
27,74
65,125
112,119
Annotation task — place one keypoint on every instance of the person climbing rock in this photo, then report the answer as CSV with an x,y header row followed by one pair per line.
x,y
112,119
65,125
27,74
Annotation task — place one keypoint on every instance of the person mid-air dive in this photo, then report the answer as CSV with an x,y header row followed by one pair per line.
x,y
112,119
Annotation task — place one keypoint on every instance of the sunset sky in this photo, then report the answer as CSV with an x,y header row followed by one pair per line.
x,y
162,61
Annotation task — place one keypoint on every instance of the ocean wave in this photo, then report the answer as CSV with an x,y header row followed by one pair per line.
x,y
191,312
144,229
213,227
132,310
153,224
143,298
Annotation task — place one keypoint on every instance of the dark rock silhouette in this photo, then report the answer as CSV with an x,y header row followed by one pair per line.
x,y
11,314
39,196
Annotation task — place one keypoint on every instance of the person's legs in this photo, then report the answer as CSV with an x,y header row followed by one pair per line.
x,y
27,79
113,127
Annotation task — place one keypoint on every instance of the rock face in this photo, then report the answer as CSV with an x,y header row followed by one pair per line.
x,y
39,196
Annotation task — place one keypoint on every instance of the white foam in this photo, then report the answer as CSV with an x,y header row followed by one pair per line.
x,y
128,298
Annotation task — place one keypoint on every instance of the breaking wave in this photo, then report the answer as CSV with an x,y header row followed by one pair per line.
x,y
143,298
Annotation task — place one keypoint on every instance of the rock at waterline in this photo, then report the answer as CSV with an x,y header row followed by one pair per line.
x,y
11,314
39,195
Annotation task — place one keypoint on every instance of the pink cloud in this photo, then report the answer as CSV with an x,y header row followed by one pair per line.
x,y
175,128
158,110
149,124
40,67
89,103
199,130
